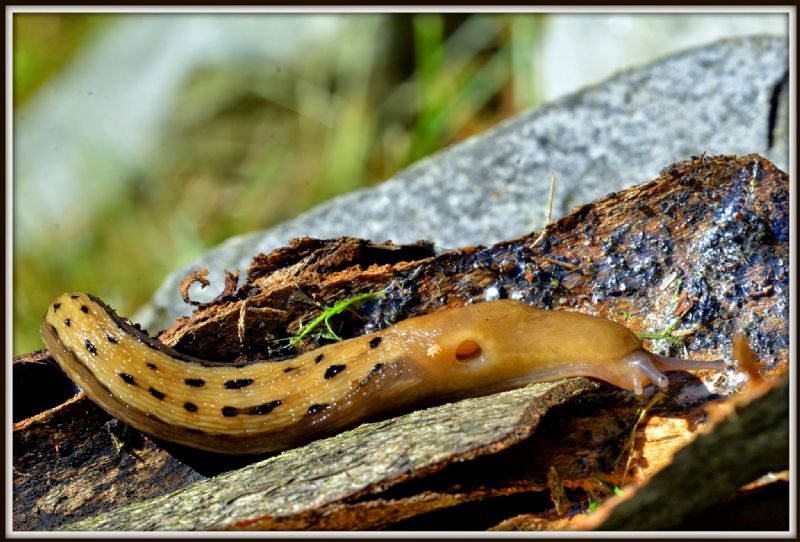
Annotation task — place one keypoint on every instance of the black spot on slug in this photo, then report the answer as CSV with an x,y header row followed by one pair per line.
x,y
74,296
56,306
152,366
111,338
85,309
266,408
289,369
90,347
195,382
375,341
195,431
67,322
319,358
334,370
377,367
191,407
127,378
157,394
238,384
313,409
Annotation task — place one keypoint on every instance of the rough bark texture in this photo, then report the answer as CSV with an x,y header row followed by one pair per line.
x,y
706,244
368,458
750,439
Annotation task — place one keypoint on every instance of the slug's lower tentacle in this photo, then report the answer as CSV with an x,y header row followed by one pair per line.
x,y
643,370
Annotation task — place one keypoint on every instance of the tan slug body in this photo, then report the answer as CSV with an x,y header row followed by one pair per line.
x,y
269,406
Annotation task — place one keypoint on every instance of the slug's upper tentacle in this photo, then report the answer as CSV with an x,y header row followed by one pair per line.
x,y
274,405
678,364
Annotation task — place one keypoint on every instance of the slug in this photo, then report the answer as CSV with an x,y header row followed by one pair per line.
x,y
270,406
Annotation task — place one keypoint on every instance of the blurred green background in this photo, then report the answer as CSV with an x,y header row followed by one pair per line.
x,y
438,79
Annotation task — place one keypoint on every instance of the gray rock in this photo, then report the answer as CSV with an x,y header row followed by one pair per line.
x,y
719,99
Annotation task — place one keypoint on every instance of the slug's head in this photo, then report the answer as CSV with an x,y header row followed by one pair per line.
x,y
636,370
503,344
642,367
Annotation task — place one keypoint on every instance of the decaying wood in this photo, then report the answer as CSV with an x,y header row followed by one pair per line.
x,y
285,288
707,243
763,508
369,458
38,371
750,438
231,281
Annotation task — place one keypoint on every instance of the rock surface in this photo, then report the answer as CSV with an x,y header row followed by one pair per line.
x,y
722,98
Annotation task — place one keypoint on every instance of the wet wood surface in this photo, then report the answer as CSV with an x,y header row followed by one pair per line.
x,y
703,248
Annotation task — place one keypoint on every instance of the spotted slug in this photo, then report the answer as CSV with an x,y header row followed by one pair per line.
x,y
269,406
